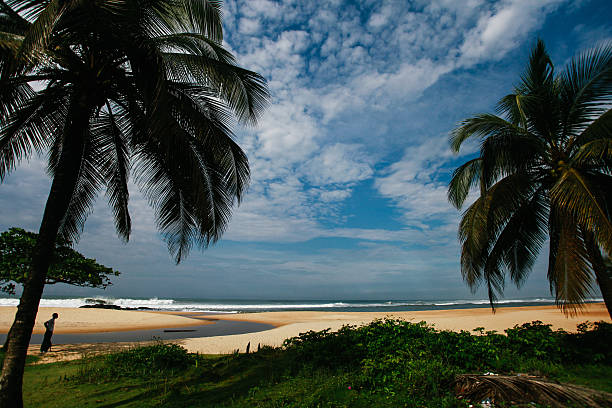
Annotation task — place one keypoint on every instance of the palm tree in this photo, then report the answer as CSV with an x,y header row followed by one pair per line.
x,y
121,86
543,172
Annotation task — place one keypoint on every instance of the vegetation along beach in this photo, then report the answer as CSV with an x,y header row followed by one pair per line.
x,y
277,203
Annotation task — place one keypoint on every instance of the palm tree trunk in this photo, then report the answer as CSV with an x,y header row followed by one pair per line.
x,y
602,273
62,188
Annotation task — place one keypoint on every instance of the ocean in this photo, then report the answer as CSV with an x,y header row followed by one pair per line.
x,y
252,306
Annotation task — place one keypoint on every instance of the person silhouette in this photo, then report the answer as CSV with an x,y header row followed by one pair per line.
x,y
49,326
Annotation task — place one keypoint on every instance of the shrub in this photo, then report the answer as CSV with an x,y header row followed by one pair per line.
x,y
590,345
536,339
149,359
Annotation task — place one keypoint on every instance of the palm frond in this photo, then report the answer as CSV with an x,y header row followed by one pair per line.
x,y
580,199
512,106
167,95
32,127
595,143
573,275
193,44
11,21
88,183
205,17
10,43
541,102
554,130
244,91
462,181
504,389
518,244
40,30
487,125
508,153
474,242
586,89
503,199
539,74
491,228
165,185
193,172
13,96
115,165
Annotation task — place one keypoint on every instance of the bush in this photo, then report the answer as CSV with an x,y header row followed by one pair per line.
x,y
150,359
590,345
536,339
140,362
394,356
325,348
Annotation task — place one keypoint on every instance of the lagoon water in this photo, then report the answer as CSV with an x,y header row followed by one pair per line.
x,y
218,328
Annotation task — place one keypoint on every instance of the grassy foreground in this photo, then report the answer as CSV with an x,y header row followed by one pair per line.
x,y
387,363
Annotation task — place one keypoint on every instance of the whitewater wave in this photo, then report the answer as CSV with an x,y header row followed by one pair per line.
x,y
234,307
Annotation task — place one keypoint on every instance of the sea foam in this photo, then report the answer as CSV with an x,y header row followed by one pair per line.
x,y
243,306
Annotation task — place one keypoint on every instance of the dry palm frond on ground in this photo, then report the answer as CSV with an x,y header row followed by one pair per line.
x,y
527,389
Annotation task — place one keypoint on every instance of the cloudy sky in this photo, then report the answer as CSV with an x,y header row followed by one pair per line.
x,y
350,164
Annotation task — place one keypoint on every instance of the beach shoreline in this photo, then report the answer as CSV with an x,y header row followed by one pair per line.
x,y
92,320
286,324
291,324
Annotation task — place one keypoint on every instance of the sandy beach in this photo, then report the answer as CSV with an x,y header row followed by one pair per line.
x,y
77,320
291,324
288,324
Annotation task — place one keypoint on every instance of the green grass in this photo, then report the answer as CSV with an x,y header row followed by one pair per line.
x,y
385,364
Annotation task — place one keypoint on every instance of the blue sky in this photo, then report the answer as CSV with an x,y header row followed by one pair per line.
x,y
350,164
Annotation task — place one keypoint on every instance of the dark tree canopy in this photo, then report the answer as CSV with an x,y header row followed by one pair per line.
x,y
67,266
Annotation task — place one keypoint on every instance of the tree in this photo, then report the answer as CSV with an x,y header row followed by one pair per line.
x,y
124,86
66,266
543,172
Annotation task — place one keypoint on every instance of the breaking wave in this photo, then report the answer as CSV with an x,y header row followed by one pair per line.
x,y
232,306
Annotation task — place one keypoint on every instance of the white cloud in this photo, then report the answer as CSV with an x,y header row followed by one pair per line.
x,y
327,196
501,29
413,48
287,133
414,185
248,26
337,164
381,18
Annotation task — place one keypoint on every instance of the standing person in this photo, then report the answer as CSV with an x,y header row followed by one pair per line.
x,y
49,326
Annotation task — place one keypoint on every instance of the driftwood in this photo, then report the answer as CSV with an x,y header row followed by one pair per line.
x,y
523,389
